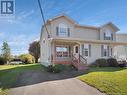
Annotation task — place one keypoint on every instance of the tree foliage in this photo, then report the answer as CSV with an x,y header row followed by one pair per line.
x,y
6,52
34,49
27,58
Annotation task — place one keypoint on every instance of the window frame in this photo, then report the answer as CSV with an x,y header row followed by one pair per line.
x,y
108,35
86,50
63,30
105,51
61,54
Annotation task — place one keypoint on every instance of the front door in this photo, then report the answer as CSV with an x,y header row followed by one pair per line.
x,y
76,51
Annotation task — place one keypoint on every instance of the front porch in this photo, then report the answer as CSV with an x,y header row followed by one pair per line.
x,y
81,52
67,53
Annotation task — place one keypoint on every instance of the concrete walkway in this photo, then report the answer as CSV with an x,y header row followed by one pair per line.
x,y
70,86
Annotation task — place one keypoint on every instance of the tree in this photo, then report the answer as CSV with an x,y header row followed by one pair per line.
x,y
6,52
27,58
34,49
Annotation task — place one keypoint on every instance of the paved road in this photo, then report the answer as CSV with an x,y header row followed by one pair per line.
x,y
38,83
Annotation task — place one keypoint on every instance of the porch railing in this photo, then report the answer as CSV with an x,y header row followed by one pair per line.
x,y
82,59
80,62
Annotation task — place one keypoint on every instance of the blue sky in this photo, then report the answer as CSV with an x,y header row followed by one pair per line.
x,y
25,27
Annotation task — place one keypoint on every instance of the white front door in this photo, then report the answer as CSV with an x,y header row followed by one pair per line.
x,y
76,51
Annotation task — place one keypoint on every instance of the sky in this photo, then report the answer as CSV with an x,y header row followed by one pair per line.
x,y
25,27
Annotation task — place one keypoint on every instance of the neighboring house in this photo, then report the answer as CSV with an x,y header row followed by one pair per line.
x,y
70,41
121,50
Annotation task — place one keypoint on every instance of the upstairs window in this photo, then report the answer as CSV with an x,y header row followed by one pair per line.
x,y
62,30
108,35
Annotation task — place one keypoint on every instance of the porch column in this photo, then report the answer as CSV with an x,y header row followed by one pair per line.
x,y
80,48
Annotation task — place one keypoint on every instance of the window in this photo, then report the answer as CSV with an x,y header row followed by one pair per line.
x,y
63,30
86,49
108,35
62,51
105,50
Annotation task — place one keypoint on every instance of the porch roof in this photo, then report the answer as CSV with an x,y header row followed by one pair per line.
x,y
77,40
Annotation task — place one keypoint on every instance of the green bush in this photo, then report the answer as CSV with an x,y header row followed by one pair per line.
x,y
56,68
2,61
112,62
101,63
50,68
27,58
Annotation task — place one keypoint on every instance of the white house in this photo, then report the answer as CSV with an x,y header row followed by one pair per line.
x,y
70,42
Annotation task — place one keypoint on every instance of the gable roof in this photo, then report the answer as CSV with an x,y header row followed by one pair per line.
x,y
72,21
62,15
112,25
83,26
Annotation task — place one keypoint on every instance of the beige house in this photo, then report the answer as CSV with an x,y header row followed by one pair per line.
x,y
70,42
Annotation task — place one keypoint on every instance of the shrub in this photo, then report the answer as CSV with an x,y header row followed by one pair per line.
x,y
56,68
2,61
50,68
101,63
27,58
112,62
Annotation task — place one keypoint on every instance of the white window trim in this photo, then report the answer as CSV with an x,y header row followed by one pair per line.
x,y
86,48
62,30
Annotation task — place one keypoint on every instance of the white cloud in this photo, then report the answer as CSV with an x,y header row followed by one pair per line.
x,y
1,34
20,17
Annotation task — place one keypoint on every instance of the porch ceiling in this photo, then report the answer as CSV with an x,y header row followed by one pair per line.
x,y
75,41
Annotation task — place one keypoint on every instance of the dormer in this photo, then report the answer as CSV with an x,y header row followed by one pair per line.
x,y
62,26
108,32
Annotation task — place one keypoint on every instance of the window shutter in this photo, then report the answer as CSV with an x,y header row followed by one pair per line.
x,y
68,32
104,36
89,50
69,50
102,51
57,31
83,54
108,50
111,51
112,36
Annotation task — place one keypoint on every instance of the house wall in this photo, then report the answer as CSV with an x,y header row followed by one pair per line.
x,y
95,53
86,33
45,48
75,32
121,51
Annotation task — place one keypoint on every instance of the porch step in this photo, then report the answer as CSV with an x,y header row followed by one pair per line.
x,y
80,66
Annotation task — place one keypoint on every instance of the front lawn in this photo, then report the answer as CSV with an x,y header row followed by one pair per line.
x,y
112,81
10,73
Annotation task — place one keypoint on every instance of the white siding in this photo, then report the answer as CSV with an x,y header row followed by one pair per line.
x,y
45,49
75,32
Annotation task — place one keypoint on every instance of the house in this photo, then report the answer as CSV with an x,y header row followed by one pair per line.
x,y
70,42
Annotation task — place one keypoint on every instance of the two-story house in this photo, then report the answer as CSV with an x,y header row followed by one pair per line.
x,y
70,41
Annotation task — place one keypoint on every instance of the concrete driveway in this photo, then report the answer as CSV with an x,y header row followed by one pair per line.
x,y
43,83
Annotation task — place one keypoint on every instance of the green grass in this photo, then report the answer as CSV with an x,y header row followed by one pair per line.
x,y
112,81
10,73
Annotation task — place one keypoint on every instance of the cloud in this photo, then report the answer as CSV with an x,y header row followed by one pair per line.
x,y
20,17
1,34
25,14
